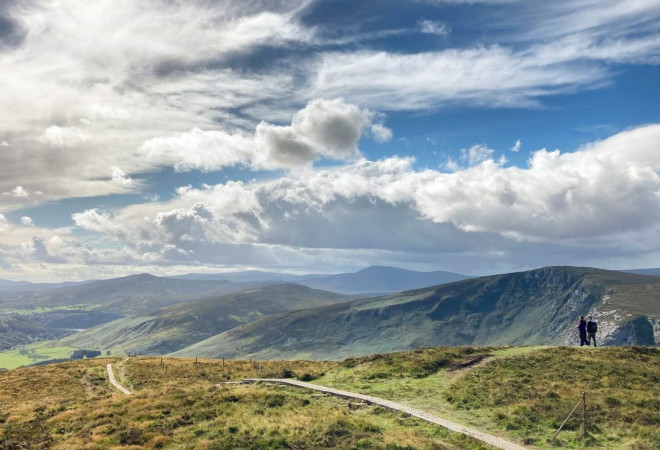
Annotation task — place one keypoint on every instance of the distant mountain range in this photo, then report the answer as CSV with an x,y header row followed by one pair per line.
x,y
653,272
527,308
255,315
373,280
89,304
175,327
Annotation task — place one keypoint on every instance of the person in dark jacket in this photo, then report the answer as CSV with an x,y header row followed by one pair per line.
x,y
592,327
582,328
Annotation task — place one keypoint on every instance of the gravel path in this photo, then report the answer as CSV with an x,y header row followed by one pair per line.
x,y
452,426
111,377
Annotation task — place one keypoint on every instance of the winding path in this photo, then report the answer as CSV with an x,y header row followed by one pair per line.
x,y
452,426
113,381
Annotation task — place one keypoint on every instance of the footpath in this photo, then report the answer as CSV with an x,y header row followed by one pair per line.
x,y
113,381
451,426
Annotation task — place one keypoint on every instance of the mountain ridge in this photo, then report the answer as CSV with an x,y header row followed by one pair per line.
x,y
537,307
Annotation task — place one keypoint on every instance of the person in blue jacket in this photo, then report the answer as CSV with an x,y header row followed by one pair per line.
x,y
582,328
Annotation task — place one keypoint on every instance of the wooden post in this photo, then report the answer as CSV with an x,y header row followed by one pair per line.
x,y
223,362
161,362
584,415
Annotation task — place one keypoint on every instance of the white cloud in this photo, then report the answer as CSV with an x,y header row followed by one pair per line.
x,y
477,154
27,221
516,146
200,150
64,136
604,190
323,129
4,144
18,191
380,132
119,178
434,27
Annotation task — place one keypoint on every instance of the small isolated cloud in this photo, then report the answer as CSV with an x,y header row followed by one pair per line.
x,y
434,27
477,154
516,146
380,132
64,136
27,221
4,144
323,129
18,192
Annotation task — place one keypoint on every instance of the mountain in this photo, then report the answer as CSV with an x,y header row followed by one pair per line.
x,y
378,280
21,286
97,302
175,327
16,331
249,276
653,272
538,307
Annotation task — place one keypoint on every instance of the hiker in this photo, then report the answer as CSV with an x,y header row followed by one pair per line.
x,y
592,327
582,328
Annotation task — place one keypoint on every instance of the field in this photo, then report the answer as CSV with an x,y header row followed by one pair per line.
x,y
521,394
31,354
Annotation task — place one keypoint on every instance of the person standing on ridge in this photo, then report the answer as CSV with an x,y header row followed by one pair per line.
x,y
592,327
582,328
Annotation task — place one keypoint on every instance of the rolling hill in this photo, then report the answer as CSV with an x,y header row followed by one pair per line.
x,y
20,330
90,304
527,308
175,327
378,280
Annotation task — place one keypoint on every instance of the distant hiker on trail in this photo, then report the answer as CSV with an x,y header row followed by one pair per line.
x,y
592,327
582,328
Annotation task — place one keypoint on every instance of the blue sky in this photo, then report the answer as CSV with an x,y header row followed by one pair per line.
x,y
324,136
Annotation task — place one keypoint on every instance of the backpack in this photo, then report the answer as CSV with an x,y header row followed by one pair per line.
x,y
592,326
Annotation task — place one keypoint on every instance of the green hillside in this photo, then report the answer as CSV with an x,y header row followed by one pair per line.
x,y
527,308
20,330
178,326
94,303
519,393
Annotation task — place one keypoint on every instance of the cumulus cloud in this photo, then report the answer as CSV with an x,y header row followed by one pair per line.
x,y
380,132
27,221
606,191
322,129
516,146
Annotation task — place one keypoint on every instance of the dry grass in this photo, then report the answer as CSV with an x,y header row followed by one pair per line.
x,y
177,404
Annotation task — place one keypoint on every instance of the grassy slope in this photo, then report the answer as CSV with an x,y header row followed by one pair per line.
x,y
119,296
72,406
520,393
172,328
20,330
524,393
527,308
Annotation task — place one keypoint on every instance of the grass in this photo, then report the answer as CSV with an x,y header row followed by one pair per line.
x,y
519,393
524,393
178,405
31,354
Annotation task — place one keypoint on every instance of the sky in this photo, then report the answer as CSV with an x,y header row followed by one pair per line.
x,y
480,137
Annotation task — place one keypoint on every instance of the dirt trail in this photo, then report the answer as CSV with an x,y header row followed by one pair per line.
x,y
452,426
111,377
